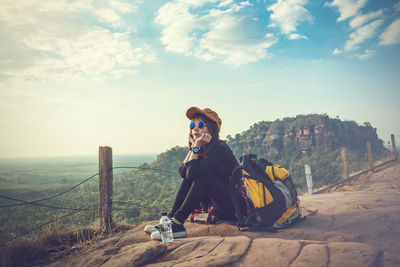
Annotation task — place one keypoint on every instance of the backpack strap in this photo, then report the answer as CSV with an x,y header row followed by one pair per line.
x,y
236,197
236,174
273,172
248,176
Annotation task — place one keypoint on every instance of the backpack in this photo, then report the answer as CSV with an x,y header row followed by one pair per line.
x,y
272,192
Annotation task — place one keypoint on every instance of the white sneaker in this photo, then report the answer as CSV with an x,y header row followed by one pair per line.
x,y
177,229
157,235
151,228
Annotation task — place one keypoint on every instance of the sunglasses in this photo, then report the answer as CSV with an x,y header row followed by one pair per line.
x,y
193,124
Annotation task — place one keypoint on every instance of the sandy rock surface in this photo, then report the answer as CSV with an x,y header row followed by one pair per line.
x,y
357,225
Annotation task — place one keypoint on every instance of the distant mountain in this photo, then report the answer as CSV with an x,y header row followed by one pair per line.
x,y
311,139
305,133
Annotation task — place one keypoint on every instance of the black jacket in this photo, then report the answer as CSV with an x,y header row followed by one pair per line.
x,y
219,161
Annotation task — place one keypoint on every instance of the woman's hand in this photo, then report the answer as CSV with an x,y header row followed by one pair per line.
x,y
191,140
205,138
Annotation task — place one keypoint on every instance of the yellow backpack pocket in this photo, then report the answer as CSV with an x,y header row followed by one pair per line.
x,y
257,193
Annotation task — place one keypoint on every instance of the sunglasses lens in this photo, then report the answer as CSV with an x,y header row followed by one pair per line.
x,y
192,125
200,124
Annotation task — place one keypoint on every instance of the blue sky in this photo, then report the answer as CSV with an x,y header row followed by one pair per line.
x,y
76,75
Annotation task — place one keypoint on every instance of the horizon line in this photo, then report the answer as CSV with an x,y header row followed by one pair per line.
x,y
71,156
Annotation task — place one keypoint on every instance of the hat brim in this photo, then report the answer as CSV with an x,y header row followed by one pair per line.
x,y
193,111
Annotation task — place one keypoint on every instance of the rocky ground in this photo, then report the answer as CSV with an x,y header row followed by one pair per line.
x,y
356,225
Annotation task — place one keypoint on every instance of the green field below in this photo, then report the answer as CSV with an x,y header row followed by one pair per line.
x,y
27,172
36,178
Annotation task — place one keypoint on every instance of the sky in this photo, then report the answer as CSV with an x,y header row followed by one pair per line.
x,y
76,75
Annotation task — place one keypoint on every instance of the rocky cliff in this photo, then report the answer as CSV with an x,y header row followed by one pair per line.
x,y
304,133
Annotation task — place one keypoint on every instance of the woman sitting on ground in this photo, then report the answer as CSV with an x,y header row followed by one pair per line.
x,y
205,171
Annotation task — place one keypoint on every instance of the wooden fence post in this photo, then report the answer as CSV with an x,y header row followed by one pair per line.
x,y
394,150
369,155
345,169
105,187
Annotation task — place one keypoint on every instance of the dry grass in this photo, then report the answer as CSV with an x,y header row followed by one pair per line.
x,y
51,244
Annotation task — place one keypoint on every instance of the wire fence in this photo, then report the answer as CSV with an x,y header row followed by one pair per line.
x,y
75,210
75,186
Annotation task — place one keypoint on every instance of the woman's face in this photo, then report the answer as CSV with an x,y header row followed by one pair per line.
x,y
197,131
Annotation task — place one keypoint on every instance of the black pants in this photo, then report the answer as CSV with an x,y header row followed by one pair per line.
x,y
191,193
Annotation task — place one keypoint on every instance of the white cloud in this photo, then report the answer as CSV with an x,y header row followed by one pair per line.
x,y
195,3
229,39
362,34
215,34
347,8
245,3
337,51
112,14
22,13
122,7
288,14
97,53
178,23
50,40
296,36
391,35
225,3
363,28
366,55
109,15
360,19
